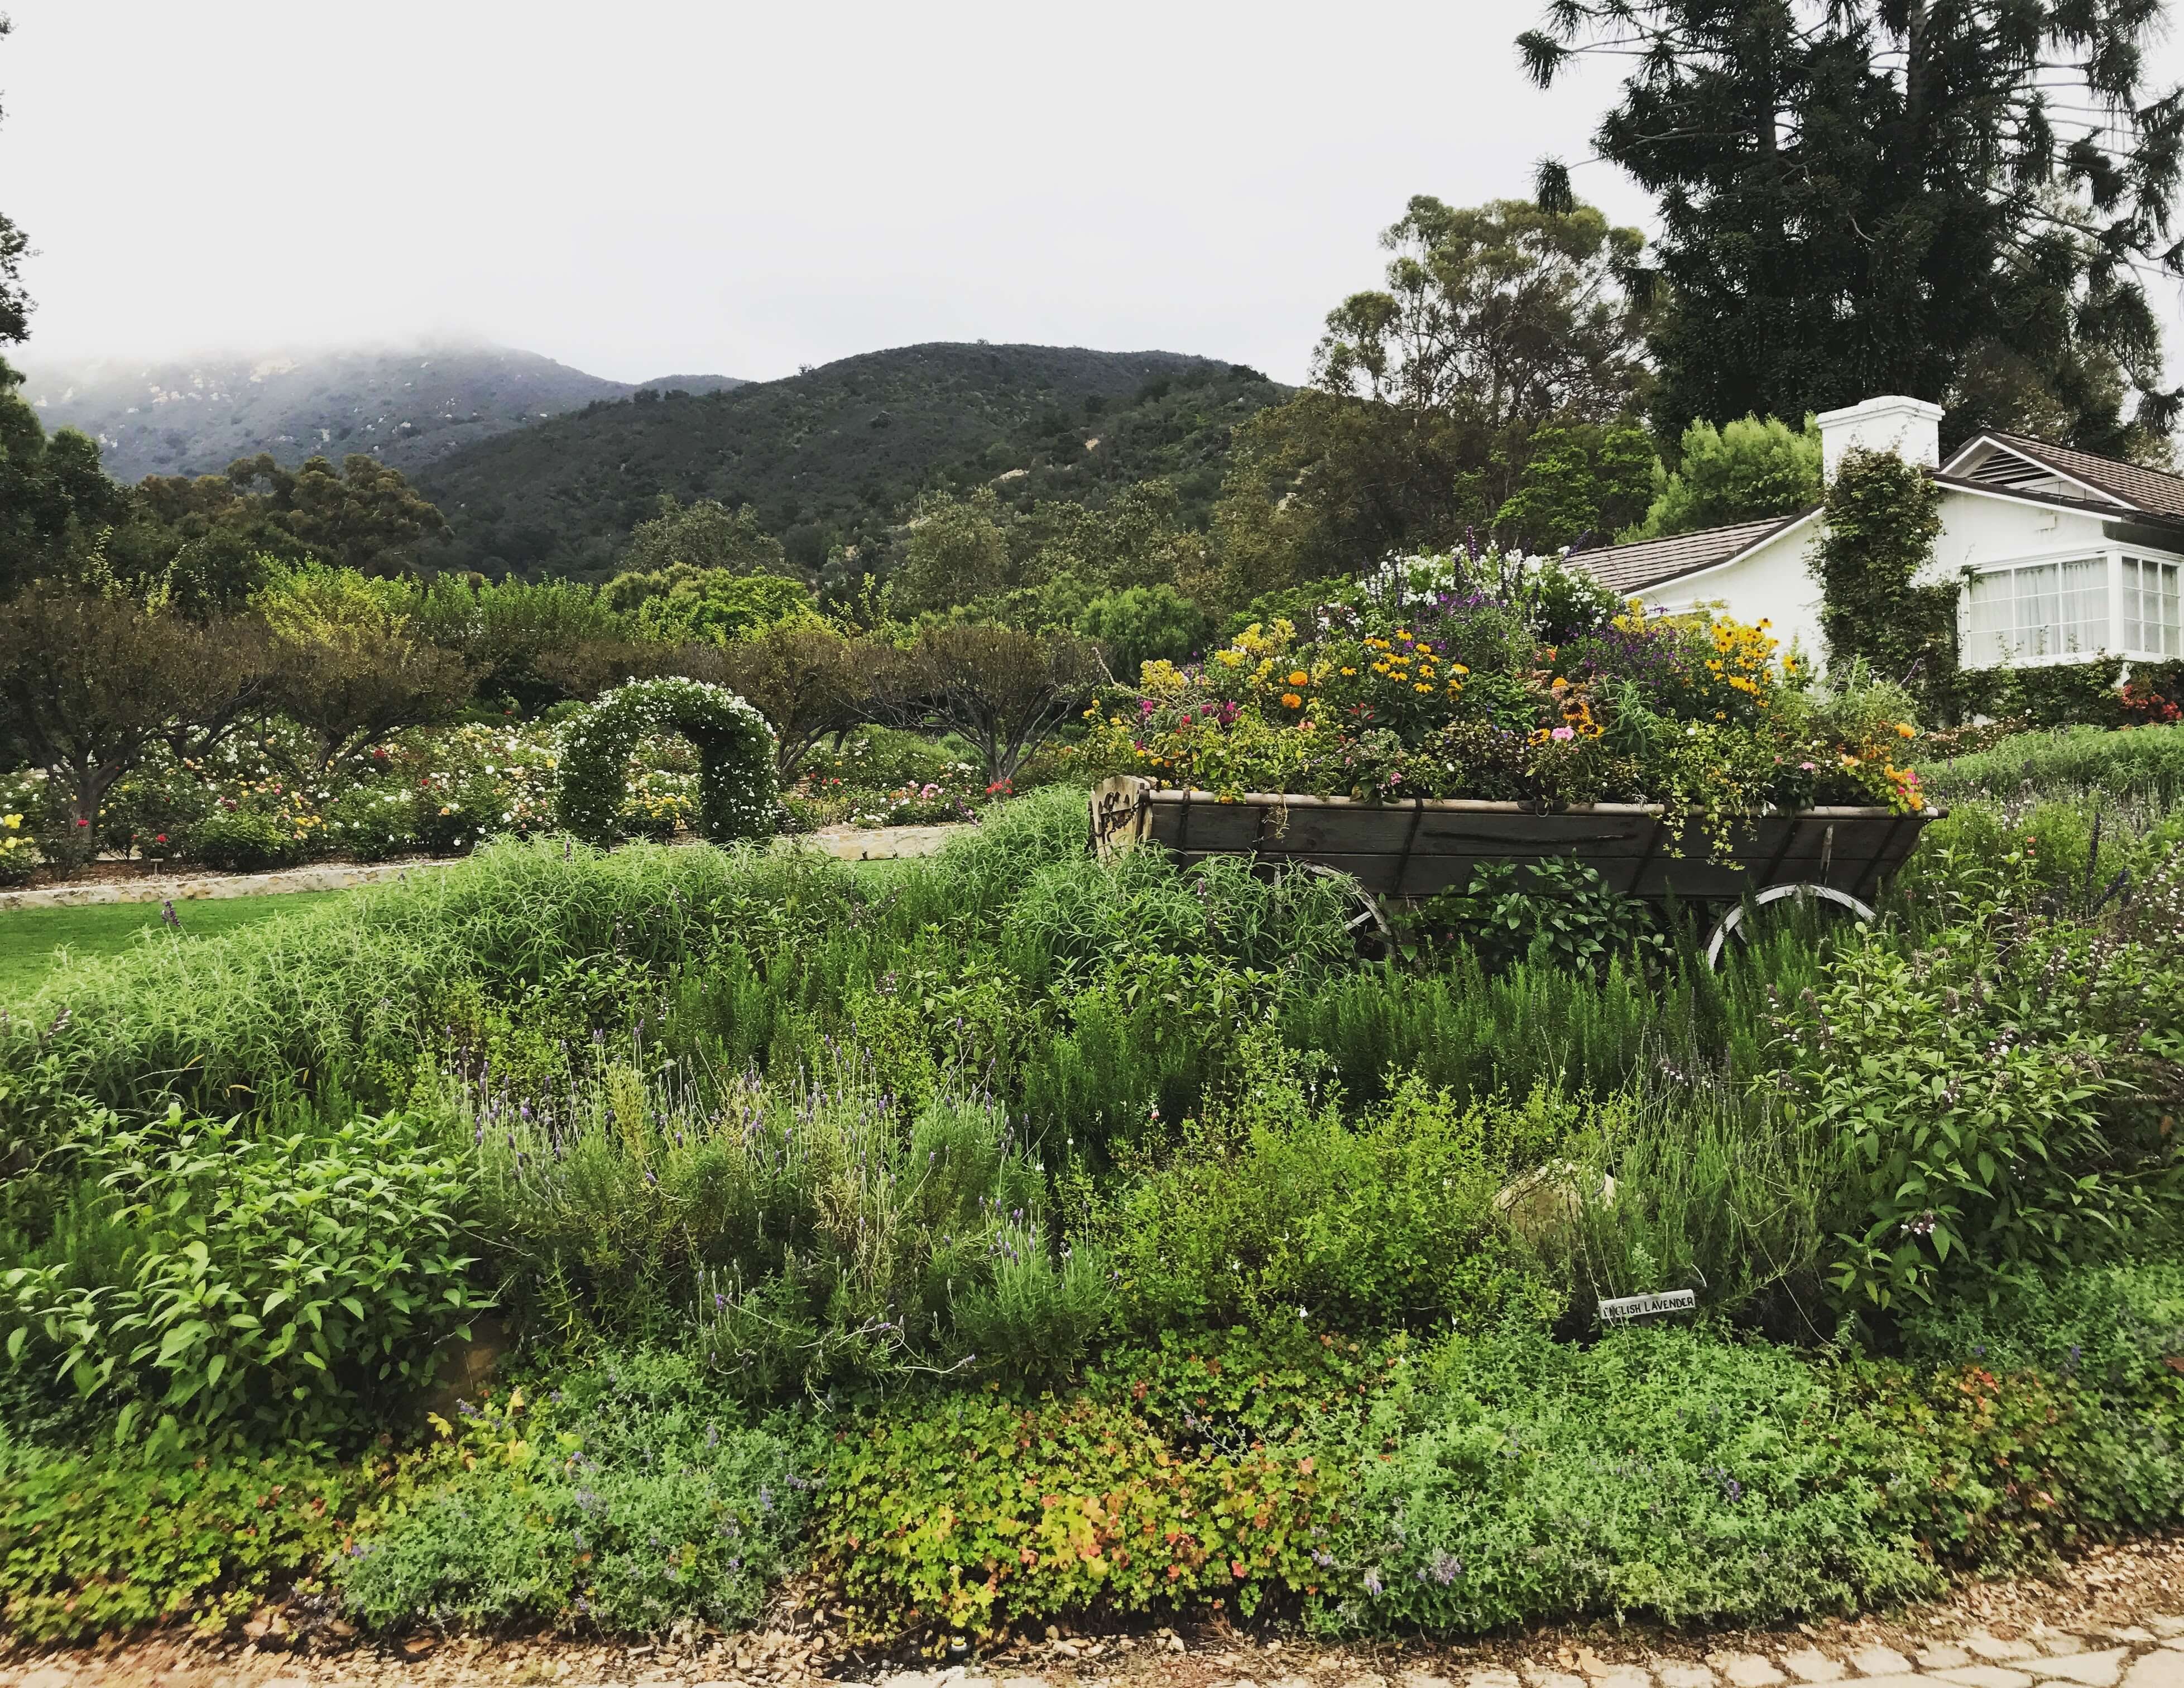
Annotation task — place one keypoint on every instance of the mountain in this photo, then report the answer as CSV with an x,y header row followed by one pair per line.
x,y
195,415
831,456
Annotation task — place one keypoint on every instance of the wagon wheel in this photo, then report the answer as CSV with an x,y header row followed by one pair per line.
x,y
1817,895
1368,925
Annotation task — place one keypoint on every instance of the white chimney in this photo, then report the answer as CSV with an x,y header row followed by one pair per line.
x,y
1909,427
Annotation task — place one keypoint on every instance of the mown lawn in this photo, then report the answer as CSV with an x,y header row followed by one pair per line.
x,y
34,942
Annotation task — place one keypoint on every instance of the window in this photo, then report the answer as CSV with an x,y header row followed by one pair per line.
x,y
2150,621
2042,609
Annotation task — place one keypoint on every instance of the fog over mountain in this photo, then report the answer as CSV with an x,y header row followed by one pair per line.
x,y
406,406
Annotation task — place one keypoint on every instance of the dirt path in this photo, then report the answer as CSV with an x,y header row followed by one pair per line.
x,y
2115,1620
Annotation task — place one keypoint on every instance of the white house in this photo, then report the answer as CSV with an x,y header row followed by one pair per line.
x,y
2064,556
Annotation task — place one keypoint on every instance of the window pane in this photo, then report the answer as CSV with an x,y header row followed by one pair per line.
x,y
2034,632
2134,625
2084,623
2167,617
1991,632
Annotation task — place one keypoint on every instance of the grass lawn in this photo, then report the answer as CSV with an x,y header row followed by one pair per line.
x,y
32,940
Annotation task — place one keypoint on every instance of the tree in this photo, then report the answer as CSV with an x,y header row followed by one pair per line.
x,y
1501,315
350,665
714,606
90,679
55,504
1494,322
1583,483
1742,472
704,534
210,539
1947,200
807,680
1140,624
957,552
1005,690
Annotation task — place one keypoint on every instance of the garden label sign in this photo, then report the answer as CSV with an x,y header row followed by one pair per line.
x,y
1622,1309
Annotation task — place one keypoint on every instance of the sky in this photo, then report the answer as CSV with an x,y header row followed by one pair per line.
x,y
658,186
664,187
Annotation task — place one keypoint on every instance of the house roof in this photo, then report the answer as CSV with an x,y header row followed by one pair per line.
x,y
2154,491
1648,562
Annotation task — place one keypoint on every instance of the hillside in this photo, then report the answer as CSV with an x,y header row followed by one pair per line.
x,y
833,455
195,416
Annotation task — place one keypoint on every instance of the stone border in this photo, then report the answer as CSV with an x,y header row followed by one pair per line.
x,y
844,843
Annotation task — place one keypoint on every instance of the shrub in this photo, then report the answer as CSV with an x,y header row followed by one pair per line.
x,y
1005,691
373,821
296,1283
811,1234
1274,1209
735,750
249,840
633,1496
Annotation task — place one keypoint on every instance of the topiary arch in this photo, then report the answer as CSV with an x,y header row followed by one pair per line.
x,y
735,758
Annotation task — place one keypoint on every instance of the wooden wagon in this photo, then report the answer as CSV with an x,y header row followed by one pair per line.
x,y
1412,849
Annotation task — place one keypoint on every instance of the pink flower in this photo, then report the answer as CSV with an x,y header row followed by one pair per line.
x,y
1561,732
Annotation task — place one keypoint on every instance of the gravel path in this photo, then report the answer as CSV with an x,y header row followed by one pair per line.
x,y
2113,1619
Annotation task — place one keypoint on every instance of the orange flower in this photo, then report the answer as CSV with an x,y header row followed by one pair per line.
x,y
1292,700
1300,678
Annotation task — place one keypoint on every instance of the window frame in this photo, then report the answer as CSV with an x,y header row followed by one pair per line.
x,y
2112,559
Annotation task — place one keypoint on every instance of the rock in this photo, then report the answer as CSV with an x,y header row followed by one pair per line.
x,y
2162,1669
1943,1657
1746,1670
1486,1679
1421,1679
1682,1673
2129,1633
1996,1651
1810,1664
1551,1679
45,1677
1984,1676
2169,1628
2059,1644
1879,1661
1623,1676
1023,1682
2096,1670
416,1646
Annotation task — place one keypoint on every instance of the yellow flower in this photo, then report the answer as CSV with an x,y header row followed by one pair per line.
x,y
1422,687
1905,730
1299,677
1349,671
11,822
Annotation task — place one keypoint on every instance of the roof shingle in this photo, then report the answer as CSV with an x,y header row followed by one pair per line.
x,y
2148,489
1648,562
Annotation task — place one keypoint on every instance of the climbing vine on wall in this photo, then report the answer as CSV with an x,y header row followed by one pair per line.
x,y
1883,515
735,758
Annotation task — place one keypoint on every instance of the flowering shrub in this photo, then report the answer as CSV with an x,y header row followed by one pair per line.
x,y
735,749
1453,697
18,855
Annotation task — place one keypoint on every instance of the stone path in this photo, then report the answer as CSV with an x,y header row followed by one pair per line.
x,y
847,843
2113,1619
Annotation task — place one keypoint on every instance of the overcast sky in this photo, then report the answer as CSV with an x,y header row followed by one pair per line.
x,y
653,186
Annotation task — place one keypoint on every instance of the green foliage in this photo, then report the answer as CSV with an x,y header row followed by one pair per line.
x,y
1273,1211
735,752
1560,911
2147,763
299,1283
1583,483
1991,1121
974,1512
1883,515
1665,1471
1142,624
101,1542
247,841
1741,472
715,607
632,1496
702,538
